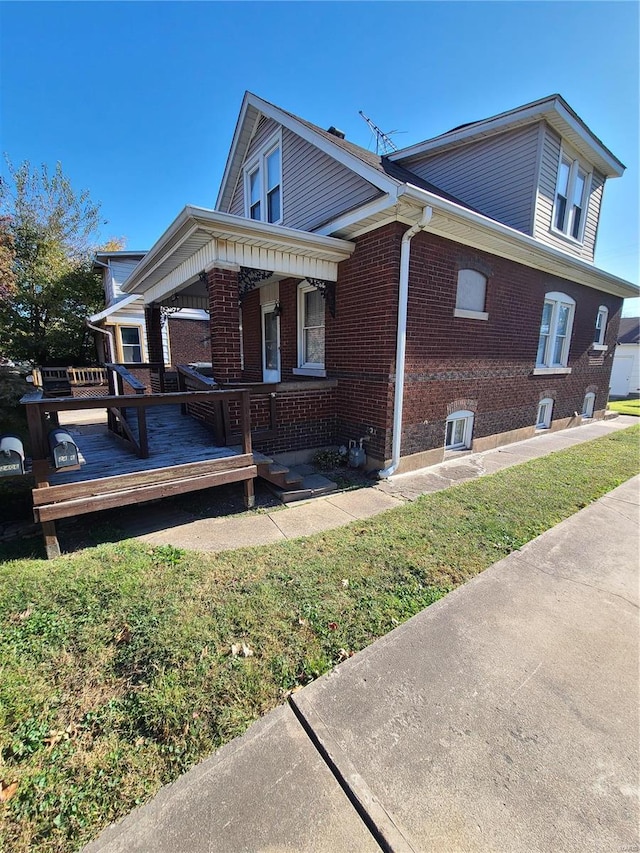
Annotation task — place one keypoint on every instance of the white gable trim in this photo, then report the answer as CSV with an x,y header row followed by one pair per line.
x,y
551,109
375,177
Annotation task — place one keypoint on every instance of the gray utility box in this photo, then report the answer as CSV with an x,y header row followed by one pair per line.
x,y
64,451
11,456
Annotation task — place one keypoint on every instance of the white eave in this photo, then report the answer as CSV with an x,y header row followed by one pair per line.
x,y
455,222
111,309
199,238
554,110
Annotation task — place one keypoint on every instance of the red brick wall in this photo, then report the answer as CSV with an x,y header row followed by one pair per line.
x,y
490,363
190,340
222,285
361,340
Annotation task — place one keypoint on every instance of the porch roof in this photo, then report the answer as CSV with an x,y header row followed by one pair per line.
x,y
199,238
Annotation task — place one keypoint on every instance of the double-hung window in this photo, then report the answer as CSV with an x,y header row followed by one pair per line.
x,y
555,331
263,184
571,198
601,325
131,344
311,329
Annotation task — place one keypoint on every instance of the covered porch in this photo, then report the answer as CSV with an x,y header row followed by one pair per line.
x,y
271,295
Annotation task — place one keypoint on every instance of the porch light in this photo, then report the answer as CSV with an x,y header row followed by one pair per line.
x,y
278,310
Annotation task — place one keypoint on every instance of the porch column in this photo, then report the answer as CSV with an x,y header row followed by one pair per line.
x,y
153,323
224,317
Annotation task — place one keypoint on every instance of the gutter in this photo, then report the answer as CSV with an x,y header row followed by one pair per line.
x,y
401,338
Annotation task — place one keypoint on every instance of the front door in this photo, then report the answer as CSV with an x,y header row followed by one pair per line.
x,y
270,343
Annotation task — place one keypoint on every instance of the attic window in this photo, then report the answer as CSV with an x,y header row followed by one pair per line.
x,y
263,184
571,198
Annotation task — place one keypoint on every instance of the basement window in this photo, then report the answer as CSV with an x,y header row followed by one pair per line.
x,y
545,410
458,432
588,405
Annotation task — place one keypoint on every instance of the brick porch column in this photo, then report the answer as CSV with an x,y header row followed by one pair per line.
x,y
222,284
153,322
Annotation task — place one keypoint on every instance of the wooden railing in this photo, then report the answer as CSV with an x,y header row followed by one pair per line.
x,y
53,502
73,375
42,414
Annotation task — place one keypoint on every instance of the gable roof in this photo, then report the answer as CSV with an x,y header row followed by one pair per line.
x,y
378,170
358,159
552,109
629,332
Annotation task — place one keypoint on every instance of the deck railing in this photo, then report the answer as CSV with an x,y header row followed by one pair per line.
x,y
42,415
75,376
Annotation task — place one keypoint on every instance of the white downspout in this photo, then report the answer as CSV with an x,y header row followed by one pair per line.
x,y
112,348
401,338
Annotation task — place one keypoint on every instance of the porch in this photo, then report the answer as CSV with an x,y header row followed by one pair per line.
x,y
143,447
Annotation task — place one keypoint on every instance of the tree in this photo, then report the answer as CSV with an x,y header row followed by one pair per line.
x,y
48,234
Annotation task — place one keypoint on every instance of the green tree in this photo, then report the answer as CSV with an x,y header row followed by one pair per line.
x,y
49,232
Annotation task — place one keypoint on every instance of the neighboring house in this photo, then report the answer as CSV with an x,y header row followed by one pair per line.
x,y
625,376
439,299
122,336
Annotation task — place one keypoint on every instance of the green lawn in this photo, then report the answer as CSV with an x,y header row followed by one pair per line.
x,y
626,407
117,672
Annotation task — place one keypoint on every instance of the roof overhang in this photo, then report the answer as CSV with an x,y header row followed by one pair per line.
x,y
554,110
198,239
111,309
458,223
252,108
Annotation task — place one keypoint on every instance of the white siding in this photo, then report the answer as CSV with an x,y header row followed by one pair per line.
x,y
546,197
121,269
315,187
495,175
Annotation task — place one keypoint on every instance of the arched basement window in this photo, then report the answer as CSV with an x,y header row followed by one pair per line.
x,y
459,430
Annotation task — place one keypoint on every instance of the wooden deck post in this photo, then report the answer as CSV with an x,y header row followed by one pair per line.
x,y
245,425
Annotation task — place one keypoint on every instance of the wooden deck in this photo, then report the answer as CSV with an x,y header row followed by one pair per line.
x,y
174,439
167,453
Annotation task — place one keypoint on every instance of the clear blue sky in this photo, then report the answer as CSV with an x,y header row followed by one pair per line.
x,y
139,100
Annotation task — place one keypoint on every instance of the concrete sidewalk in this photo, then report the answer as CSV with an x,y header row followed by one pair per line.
x,y
502,718
166,526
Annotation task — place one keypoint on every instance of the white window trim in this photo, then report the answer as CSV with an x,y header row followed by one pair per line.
x,y
470,315
258,161
468,417
555,299
591,397
546,423
311,368
574,166
600,344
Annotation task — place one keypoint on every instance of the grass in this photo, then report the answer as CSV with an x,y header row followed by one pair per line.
x,y
117,673
626,407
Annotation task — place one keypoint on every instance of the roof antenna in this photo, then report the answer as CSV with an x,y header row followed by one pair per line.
x,y
384,144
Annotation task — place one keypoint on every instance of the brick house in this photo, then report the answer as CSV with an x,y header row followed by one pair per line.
x,y
439,299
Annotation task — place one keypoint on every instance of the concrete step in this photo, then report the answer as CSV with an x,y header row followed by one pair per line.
x,y
311,486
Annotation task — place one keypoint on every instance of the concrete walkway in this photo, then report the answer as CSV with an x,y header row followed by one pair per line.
x,y
164,526
502,718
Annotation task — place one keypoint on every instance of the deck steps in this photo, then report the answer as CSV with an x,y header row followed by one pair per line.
x,y
297,483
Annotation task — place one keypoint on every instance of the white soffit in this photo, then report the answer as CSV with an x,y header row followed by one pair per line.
x,y
199,238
